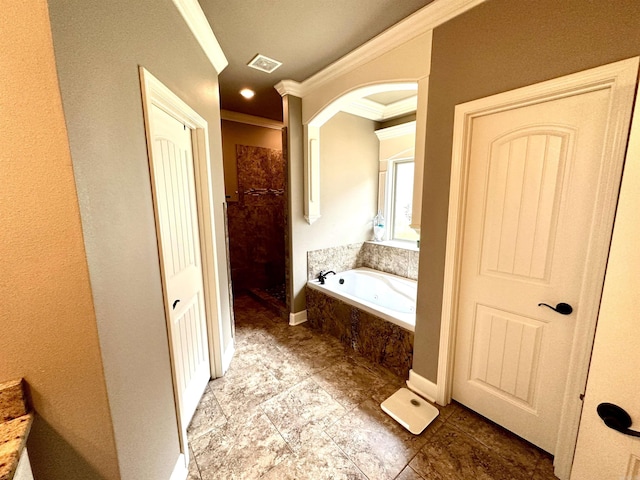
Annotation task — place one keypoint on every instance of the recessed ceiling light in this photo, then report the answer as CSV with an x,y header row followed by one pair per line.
x,y
246,93
264,64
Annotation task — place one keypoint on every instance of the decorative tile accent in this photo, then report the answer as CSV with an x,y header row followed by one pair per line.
x,y
375,339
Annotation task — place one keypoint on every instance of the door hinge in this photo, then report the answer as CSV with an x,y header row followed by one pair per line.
x,y
582,397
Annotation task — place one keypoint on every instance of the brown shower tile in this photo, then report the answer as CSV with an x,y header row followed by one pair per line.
x,y
378,445
304,404
317,458
208,416
245,448
453,455
512,448
348,383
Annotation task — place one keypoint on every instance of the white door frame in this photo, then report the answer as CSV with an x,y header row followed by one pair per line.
x,y
620,78
155,93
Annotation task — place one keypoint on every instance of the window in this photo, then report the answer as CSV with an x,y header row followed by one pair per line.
x,y
399,200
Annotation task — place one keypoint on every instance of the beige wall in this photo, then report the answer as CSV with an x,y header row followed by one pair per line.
x,y
348,193
98,48
49,333
496,47
235,133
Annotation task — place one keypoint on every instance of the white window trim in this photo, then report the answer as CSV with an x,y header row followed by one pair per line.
x,y
388,196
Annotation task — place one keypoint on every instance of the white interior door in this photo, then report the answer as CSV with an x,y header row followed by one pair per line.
x,y
534,175
602,453
177,218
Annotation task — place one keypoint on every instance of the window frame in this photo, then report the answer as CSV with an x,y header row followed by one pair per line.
x,y
390,197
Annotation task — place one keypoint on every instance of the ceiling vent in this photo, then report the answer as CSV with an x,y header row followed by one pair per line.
x,y
264,64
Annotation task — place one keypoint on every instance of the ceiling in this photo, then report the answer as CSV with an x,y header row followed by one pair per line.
x,y
305,35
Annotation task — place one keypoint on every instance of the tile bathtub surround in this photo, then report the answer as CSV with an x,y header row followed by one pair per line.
x,y
15,424
317,416
386,258
377,340
338,259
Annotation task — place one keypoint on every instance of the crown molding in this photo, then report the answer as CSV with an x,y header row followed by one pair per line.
x,y
289,87
250,120
396,131
363,107
195,18
425,19
401,107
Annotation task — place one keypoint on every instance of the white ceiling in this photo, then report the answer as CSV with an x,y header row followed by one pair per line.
x,y
305,35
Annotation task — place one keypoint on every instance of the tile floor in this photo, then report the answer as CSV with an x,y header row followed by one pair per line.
x,y
296,405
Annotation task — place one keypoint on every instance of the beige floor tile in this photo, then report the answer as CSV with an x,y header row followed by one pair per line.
x,y
244,448
379,446
302,405
355,384
453,455
510,447
409,474
208,416
317,458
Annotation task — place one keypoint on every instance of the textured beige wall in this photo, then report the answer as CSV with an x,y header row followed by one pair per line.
x,y
495,47
99,47
49,333
235,133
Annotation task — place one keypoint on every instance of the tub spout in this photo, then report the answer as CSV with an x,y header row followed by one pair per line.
x,y
323,275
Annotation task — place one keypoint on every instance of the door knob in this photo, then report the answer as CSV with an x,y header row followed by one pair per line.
x,y
561,308
617,418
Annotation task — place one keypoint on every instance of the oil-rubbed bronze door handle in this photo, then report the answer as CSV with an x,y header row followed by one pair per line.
x,y
617,418
561,308
175,303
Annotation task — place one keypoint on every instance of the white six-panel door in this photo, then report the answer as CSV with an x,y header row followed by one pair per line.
x,y
173,172
533,174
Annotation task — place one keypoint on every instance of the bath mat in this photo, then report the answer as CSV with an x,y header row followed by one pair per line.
x,y
411,411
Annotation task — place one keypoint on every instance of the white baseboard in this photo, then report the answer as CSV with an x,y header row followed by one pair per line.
x,y
423,387
298,318
227,356
180,471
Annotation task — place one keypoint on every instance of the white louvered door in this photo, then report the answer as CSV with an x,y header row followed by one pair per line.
x,y
533,172
177,220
